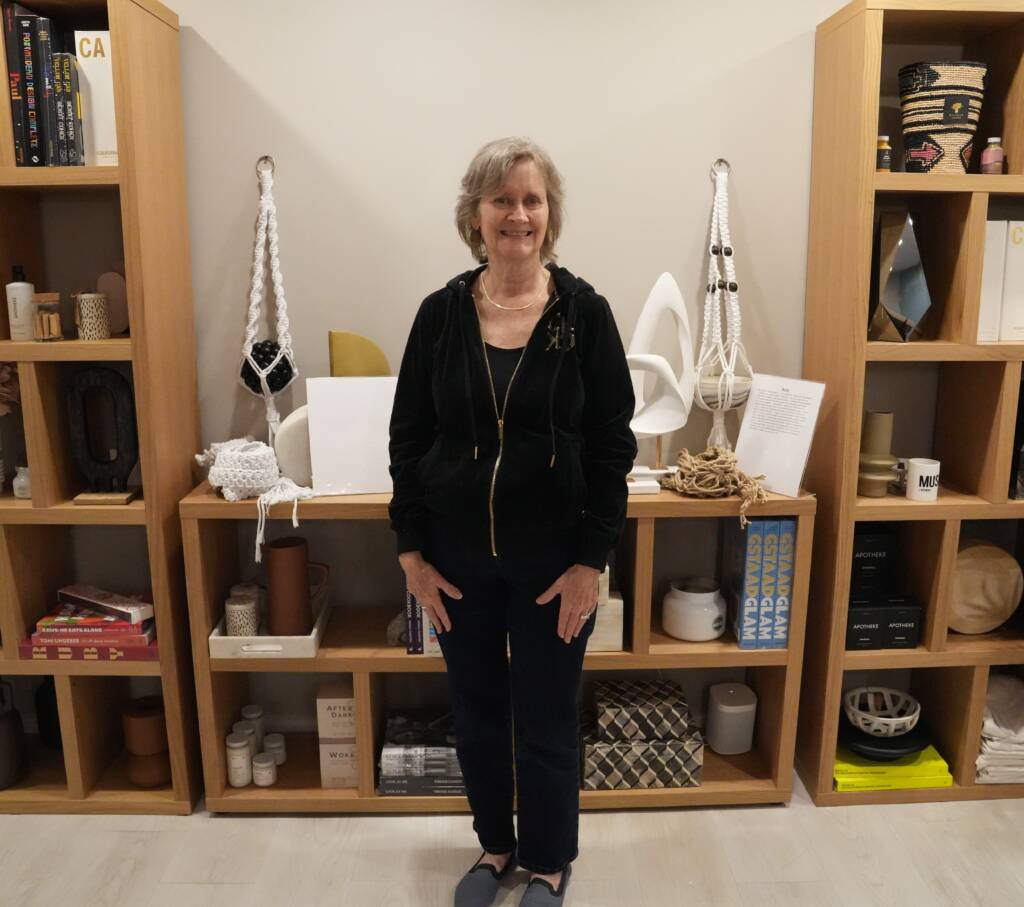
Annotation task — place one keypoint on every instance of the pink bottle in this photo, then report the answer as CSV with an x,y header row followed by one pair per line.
x,y
992,157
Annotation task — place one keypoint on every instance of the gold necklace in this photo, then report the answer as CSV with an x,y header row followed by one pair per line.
x,y
512,308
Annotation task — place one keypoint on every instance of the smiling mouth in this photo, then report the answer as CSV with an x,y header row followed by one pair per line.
x,y
517,233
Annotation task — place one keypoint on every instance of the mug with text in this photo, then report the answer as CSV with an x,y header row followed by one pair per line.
x,y
922,479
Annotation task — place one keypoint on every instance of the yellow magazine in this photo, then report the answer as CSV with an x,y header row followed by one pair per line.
x,y
926,762
874,783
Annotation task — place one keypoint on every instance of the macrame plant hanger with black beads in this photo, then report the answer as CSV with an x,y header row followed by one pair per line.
x,y
724,374
267,366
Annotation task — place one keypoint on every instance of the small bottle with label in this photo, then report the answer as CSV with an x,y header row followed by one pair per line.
x,y
993,156
239,757
19,305
883,155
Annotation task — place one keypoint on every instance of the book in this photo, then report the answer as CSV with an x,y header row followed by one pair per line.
x,y
784,583
35,155
413,625
437,785
927,763
75,619
769,585
94,639
96,83
73,98
28,651
428,635
15,83
1011,322
43,39
61,109
134,610
850,784
993,264
741,577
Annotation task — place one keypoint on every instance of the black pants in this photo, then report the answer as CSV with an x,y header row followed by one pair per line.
x,y
532,699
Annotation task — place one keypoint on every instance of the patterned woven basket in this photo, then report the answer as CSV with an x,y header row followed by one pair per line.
x,y
941,104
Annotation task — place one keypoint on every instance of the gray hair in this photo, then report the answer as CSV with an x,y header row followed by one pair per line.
x,y
486,173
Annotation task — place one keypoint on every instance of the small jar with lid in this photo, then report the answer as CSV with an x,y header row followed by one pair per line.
x,y
993,157
883,155
249,730
254,713
239,757
264,770
274,744
46,317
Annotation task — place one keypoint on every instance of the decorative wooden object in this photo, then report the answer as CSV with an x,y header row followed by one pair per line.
x,y
147,198
857,49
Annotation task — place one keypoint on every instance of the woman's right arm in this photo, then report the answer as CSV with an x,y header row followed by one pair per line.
x,y
413,429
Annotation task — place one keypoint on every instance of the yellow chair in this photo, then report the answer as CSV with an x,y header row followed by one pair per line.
x,y
355,356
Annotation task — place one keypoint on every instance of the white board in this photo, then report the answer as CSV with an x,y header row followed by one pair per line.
x,y
348,434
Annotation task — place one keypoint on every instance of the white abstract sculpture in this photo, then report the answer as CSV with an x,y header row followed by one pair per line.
x,y
724,374
668,407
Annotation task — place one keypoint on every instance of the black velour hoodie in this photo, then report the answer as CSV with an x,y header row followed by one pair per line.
x,y
567,441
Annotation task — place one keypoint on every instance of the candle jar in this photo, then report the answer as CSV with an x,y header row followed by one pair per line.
x,y
274,744
248,729
91,316
264,770
254,713
46,317
239,758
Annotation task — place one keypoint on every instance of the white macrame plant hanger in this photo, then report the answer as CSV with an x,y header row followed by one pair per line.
x,y
724,374
266,235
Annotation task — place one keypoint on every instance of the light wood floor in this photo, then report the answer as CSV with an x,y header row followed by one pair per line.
x,y
957,853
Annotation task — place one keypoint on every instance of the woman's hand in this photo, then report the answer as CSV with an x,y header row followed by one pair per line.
x,y
578,588
424,582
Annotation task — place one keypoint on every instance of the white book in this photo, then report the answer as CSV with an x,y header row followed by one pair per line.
x,y
96,83
992,268
1011,324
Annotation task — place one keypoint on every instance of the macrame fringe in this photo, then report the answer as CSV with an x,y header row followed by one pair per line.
x,y
715,474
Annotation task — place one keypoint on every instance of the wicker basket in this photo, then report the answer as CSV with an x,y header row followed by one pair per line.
x,y
881,711
941,104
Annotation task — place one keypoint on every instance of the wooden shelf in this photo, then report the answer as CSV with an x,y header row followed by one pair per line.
x,y
1004,184
725,779
976,384
135,212
205,504
353,643
59,177
14,511
950,505
943,351
117,349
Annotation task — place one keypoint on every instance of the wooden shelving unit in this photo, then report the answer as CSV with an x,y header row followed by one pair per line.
x,y
977,384
37,537
355,643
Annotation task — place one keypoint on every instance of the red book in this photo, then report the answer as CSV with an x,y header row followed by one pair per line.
x,y
93,639
29,652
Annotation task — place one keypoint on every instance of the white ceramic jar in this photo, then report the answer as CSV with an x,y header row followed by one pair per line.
x,y
694,610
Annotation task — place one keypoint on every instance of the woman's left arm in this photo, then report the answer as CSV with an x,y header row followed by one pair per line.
x,y
609,444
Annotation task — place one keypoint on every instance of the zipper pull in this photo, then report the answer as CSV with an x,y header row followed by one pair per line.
x,y
501,430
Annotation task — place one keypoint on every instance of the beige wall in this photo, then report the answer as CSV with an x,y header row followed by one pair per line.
x,y
372,111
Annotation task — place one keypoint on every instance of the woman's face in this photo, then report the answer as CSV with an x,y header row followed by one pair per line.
x,y
514,220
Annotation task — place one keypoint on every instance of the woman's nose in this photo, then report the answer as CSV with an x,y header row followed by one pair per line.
x,y
518,213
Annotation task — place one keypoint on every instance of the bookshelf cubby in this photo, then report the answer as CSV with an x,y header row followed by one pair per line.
x,y
66,225
967,408
217,549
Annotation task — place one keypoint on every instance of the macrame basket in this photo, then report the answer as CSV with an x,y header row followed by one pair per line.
x,y
941,105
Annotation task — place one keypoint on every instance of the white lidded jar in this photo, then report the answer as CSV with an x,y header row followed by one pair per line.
x,y
694,610
254,713
264,770
239,760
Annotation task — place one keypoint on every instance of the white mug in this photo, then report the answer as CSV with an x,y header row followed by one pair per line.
x,y
922,479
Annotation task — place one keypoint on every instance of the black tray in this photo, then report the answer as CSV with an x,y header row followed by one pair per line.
x,y
882,749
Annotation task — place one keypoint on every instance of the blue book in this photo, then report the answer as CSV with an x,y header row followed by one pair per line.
x,y
741,577
784,584
769,580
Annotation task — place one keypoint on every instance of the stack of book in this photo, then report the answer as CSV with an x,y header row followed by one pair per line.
x,y
1001,760
924,769
61,89
91,624
757,580
418,757
420,636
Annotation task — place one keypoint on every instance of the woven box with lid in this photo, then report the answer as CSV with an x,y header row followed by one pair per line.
x,y
640,764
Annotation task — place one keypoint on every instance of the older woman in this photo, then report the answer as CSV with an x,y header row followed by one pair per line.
x,y
510,444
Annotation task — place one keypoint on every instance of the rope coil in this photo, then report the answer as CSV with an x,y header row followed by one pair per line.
x,y
715,474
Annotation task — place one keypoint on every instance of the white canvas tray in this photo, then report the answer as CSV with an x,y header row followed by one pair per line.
x,y
223,646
